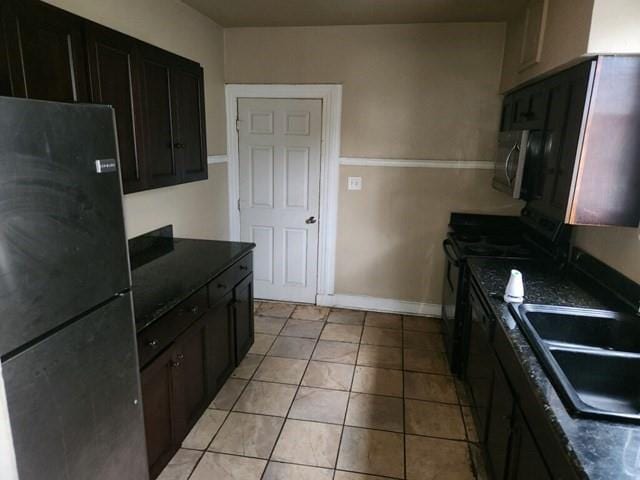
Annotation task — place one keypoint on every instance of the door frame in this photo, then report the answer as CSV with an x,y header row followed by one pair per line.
x,y
331,96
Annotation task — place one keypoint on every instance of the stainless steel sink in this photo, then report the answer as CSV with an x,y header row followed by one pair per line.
x,y
591,356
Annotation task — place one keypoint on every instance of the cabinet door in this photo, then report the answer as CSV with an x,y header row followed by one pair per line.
x,y
190,377
158,407
243,308
525,462
155,71
529,109
499,428
220,343
46,52
188,120
114,74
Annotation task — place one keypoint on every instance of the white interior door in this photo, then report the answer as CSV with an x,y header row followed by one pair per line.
x,y
279,153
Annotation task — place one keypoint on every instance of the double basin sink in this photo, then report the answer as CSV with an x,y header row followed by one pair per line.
x,y
591,356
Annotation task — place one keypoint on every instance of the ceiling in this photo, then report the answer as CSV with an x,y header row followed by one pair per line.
x,y
270,13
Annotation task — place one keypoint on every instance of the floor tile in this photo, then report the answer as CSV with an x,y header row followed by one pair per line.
x,y
384,357
425,386
469,425
434,419
428,341
336,352
204,430
382,336
256,305
340,475
302,328
380,381
287,471
341,333
247,366
181,465
428,361
292,347
276,309
372,451
308,443
310,312
282,370
262,343
320,405
375,411
383,320
228,467
435,459
266,398
336,376
346,317
248,435
421,324
268,325
228,394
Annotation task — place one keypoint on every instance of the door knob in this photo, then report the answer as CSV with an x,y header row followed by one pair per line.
x,y
310,220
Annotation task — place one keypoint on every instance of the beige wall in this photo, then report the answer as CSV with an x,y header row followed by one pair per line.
x,y
410,91
390,233
174,26
566,38
615,27
427,91
618,247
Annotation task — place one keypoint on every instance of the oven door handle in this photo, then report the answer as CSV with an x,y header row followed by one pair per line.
x,y
447,243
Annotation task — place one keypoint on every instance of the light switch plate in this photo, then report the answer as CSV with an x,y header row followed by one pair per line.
x,y
354,183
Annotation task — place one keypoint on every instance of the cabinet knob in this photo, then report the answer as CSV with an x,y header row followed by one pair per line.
x,y
175,364
244,267
153,343
195,309
180,356
178,145
222,285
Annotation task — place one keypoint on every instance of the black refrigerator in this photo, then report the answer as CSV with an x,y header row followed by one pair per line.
x,y
67,335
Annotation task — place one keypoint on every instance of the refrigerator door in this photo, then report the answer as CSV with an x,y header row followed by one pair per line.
x,y
74,401
62,240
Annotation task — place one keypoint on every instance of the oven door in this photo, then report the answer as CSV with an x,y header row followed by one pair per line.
x,y
450,291
509,165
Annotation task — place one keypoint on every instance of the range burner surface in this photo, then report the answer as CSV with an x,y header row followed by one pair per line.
x,y
484,250
468,238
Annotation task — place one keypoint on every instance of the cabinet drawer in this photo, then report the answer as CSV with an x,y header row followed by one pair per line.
x,y
157,336
228,279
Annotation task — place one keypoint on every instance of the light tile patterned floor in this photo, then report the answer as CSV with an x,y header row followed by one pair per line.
x,y
335,395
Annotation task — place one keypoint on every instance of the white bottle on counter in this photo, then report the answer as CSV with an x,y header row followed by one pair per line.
x,y
514,293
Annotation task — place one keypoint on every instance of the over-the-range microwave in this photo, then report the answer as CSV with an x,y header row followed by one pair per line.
x,y
510,159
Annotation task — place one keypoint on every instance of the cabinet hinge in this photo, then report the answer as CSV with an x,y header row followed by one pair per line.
x,y
238,123
238,204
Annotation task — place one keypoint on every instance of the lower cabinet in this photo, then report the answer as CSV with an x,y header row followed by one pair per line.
x,y
221,343
243,312
525,459
499,426
199,342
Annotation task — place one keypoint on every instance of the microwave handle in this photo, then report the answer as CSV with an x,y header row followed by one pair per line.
x,y
508,163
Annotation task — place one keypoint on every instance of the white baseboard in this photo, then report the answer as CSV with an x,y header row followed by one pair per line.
x,y
363,302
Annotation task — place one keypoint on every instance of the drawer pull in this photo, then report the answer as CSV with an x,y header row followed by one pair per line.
x,y
222,285
244,267
180,356
195,309
175,364
153,343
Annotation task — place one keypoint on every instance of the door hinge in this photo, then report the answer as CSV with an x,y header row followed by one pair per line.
x,y
238,123
238,204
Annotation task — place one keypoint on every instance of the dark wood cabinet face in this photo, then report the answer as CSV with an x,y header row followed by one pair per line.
x,y
115,81
188,110
157,117
525,462
157,402
243,307
189,370
499,428
221,342
46,50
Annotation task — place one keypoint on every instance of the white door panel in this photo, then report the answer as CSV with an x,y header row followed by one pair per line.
x,y
279,152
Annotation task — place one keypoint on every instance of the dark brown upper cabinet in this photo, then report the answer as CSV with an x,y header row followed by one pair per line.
x,y
45,52
158,97
115,81
585,171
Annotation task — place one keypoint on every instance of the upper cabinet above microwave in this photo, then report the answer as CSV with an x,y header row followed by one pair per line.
x,y
158,97
585,168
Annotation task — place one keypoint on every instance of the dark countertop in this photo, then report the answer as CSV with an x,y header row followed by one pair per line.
x,y
598,449
164,282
